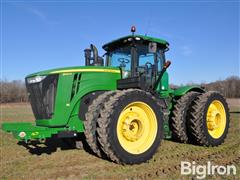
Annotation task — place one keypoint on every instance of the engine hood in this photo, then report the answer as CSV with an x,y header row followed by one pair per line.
x,y
76,69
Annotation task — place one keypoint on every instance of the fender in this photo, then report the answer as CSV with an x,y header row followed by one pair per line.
x,y
185,89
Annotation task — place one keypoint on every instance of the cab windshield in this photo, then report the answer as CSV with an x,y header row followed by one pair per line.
x,y
122,57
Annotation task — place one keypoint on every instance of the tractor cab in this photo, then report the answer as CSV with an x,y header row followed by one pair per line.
x,y
141,59
134,54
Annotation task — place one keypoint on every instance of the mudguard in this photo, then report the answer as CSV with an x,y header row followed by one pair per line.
x,y
185,89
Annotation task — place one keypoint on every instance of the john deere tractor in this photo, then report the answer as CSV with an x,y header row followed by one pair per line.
x,y
122,103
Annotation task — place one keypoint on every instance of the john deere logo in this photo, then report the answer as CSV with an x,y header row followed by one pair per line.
x,y
35,133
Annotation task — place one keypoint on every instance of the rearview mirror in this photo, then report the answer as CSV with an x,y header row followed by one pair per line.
x,y
167,64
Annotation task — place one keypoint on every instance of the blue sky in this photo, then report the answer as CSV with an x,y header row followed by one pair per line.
x,y
203,36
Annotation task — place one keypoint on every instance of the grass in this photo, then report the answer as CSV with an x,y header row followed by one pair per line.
x,y
18,163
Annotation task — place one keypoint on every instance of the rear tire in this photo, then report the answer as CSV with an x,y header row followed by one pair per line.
x,y
180,115
125,136
90,122
209,121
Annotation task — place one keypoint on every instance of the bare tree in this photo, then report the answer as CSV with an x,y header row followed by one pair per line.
x,y
13,91
229,87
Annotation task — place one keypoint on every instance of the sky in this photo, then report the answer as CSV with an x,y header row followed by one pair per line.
x,y
41,35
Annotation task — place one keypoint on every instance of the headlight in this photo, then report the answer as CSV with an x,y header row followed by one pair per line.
x,y
35,79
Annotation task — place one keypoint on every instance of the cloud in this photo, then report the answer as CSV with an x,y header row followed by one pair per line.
x,y
186,50
37,13
157,32
41,15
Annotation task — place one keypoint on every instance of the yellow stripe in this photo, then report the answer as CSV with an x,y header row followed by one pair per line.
x,y
86,70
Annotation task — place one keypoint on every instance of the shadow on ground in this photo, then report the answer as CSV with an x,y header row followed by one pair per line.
x,y
51,145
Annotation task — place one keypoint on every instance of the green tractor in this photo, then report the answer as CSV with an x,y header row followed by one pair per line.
x,y
123,105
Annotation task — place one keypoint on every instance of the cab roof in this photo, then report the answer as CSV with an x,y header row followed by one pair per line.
x,y
122,40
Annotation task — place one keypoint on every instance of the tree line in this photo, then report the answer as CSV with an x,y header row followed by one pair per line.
x,y
229,87
15,91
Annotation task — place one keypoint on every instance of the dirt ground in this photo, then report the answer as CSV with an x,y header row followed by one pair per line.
x,y
234,105
55,161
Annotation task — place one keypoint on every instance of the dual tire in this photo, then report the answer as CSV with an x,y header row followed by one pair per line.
x,y
200,118
124,126
209,119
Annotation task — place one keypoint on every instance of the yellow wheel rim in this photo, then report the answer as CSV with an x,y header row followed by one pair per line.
x,y
137,127
216,119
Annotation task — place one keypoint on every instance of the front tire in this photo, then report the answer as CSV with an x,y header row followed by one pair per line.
x,y
90,122
131,126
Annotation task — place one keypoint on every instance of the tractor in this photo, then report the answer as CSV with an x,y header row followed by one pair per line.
x,y
122,103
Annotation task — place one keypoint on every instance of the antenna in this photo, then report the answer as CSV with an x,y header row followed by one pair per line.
x,y
148,22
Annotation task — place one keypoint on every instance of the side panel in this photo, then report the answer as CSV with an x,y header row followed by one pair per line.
x,y
163,88
67,105
183,90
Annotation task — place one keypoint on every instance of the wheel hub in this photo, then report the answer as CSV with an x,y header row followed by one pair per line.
x,y
132,129
137,127
216,119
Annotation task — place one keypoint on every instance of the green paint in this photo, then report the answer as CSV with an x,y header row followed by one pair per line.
x,y
183,90
65,106
145,38
32,132
47,72
75,124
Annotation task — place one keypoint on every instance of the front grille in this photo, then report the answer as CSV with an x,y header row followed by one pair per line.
x,y
42,96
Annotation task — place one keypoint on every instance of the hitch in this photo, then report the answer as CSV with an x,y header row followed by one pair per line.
x,y
28,132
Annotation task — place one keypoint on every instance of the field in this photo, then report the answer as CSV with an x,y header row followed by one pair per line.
x,y
54,161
